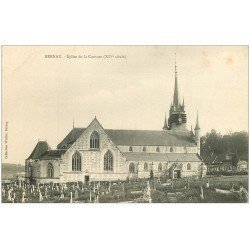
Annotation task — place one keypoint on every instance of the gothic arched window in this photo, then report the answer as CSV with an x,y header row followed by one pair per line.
x,y
171,149
94,140
130,149
157,149
50,171
160,167
76,162
145,166
108,161
131,167
188,166
144,149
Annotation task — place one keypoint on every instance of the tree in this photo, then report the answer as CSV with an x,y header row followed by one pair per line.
x,y
235,143
151,174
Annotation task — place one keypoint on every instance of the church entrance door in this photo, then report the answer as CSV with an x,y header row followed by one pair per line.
x,y
86,178
177,174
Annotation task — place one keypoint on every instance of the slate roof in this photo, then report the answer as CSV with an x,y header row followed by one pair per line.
x,y
171,157
137,137
52,154
143,156
184,157
150,137
40,148
72,136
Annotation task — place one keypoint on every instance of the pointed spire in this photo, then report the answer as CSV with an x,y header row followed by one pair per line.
x,y
176,94
73,122
197,126
183,105
165,127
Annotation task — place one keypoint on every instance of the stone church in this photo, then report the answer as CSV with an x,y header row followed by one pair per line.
x,y
98,154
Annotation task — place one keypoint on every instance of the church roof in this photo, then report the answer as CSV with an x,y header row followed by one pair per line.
x,y
52,154
143,156
137,137
150,137
184,157
73,135
170,157
40,148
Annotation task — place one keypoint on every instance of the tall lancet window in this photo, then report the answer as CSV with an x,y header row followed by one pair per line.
x,y
50,171
108,161
131,167
94,140
76,162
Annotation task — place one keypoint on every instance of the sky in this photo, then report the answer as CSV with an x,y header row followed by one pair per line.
x,y
125,87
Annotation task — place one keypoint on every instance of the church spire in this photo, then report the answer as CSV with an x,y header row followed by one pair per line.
x,y
197,126
176,94
73,122
165,127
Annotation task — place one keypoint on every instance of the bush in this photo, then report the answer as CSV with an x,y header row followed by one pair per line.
x,y
225,173
108,198
158,196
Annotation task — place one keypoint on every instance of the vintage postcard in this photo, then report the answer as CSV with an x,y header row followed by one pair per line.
x,y
124,124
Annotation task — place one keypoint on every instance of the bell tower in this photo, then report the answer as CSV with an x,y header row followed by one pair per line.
x,y
177,116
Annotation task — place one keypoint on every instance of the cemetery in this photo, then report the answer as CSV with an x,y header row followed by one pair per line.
x,y
152,190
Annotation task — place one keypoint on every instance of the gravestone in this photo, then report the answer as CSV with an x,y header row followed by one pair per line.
x,y
201,195
23,197
71,197
207,184
40,196
76,194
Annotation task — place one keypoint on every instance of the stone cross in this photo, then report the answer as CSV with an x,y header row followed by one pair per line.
x,y
109,186
90,198
62,195
40,196
71,198
23,197
45,192
9,195
207,184
147,193
3,192
201,195
76,194
97,198
13,198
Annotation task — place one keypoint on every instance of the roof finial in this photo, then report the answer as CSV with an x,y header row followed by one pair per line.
x,y
73,122
175,64
165,126
176,94
183,102
197,126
